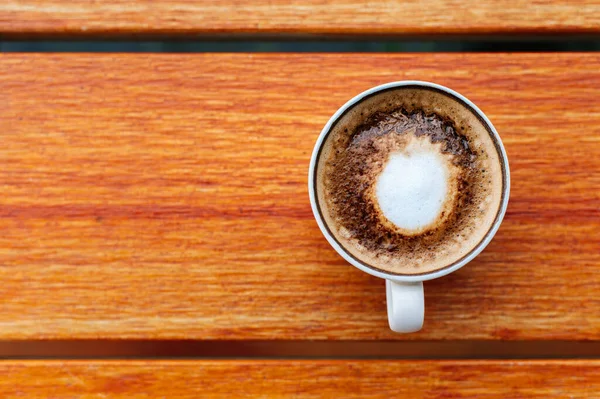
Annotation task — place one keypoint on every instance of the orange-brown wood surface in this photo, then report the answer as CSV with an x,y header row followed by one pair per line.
x,y
346,17
300,379
165,196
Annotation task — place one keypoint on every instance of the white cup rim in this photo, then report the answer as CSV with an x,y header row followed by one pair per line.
x,y
404,277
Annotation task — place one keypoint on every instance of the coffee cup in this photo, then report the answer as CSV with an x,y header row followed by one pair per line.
x,y
409,181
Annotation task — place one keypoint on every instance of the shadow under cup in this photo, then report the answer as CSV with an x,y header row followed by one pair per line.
x,y
429,98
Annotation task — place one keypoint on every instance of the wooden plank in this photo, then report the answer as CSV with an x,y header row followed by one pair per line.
x,y
163,196
334,17
300,379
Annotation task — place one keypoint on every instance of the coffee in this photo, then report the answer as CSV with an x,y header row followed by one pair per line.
x,y
409,180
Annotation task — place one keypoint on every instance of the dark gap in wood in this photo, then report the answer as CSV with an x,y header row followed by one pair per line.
x,y
182,349
195,44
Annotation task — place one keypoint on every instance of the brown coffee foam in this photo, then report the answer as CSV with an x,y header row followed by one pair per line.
x,y
439,247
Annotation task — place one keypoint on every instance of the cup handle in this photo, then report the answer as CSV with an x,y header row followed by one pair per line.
x,y
405,306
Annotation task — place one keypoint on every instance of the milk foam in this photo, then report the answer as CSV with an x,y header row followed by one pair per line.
x,y
413,187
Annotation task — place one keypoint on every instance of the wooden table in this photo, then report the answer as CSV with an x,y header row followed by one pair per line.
x,y
156,205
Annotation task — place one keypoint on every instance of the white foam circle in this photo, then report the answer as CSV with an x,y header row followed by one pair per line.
x,y
412,188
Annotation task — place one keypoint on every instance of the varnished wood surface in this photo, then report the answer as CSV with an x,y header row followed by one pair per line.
x,y
300,379
336,17
165,196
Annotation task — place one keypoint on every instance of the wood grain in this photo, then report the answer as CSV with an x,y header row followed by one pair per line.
x,y
163,196
300,379
335,17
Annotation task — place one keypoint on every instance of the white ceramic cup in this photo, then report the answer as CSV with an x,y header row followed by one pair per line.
x,y
404,293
